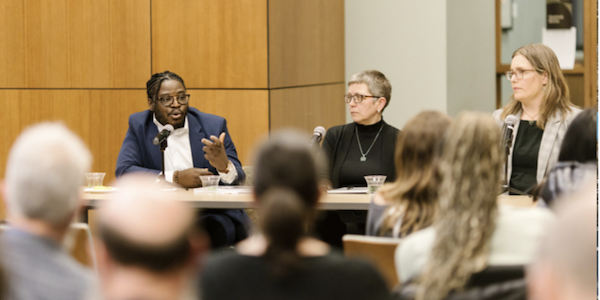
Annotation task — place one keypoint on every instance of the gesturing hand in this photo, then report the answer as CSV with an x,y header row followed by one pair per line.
x,y
190,178
215,152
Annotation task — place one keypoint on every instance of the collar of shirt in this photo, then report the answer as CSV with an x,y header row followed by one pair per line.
x,y
178,131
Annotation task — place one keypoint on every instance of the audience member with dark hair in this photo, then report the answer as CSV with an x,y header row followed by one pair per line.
x,y
44,173
472,232
410,202
147,245
566,265
577,161
199,145
542,102
284,262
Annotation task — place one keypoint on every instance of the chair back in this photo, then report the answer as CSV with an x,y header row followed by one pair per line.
x,y
378,250
79,243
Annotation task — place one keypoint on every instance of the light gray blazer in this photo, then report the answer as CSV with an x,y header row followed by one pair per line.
x,y
552,138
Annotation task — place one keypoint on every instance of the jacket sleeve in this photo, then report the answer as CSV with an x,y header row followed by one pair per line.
x,y
232,155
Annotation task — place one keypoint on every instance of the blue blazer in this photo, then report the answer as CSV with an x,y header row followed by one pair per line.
x,y
139,154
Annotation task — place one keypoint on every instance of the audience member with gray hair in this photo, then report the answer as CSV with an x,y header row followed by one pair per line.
x,y
565,267
43,175
147,244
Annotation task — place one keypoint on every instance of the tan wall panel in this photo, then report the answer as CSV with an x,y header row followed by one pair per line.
x,y
308,107
73,43
99,117
246,112
306,42
211,44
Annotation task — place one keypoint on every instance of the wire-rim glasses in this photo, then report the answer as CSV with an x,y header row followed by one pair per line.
x,y
518,73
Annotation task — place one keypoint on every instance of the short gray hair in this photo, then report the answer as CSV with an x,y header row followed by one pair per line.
x,y
377,83
44,172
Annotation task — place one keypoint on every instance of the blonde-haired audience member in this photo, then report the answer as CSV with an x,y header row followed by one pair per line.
x,y
565,266
410,202
472,232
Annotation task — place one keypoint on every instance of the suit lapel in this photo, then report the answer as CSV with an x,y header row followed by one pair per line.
x,y
153,150
196,136
547,145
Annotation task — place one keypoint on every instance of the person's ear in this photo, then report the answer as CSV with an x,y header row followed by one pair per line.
x,y
545,78
381,104
151,104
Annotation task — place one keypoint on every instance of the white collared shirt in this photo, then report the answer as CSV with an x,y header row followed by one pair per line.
x,y
178,155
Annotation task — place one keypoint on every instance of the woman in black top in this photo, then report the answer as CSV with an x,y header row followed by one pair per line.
x,y
542,102
365,146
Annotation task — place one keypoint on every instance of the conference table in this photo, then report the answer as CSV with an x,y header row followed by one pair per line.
x,y
241,197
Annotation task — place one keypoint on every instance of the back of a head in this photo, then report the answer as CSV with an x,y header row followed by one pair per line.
x,y
142,226
286,161
580,142
470,167
44,173
286,189
565,267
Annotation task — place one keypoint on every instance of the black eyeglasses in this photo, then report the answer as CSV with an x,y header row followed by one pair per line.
x,y
358,98
167,100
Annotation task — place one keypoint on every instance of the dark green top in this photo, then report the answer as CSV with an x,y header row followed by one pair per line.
x,y
525,156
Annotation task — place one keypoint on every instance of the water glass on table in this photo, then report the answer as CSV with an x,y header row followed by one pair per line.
x,y
374,182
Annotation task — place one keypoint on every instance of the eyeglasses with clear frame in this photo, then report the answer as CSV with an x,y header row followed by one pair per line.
x,y
518,73
167,100
358,98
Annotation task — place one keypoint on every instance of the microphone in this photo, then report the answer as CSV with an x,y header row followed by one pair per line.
x,y
510,122
163,135
318,135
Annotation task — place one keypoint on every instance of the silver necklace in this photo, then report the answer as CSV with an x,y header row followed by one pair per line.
x,y
364,155
533,118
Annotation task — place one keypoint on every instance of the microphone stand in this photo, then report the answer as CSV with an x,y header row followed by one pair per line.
x,y
163,146
505,185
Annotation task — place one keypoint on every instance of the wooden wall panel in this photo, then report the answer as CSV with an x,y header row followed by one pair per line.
x,y
306,42
99,117
576,89
211,44
246,111
308,107
75,44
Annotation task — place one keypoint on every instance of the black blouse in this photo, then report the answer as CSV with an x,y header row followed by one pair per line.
x,y
353,169
525,156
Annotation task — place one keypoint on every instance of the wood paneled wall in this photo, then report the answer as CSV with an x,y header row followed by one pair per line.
x,y
306,42
86,63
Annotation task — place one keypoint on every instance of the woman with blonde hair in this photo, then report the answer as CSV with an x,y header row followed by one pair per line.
x,y
541,101
472,232
410,202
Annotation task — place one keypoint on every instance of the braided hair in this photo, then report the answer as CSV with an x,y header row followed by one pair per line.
x,y
153,85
